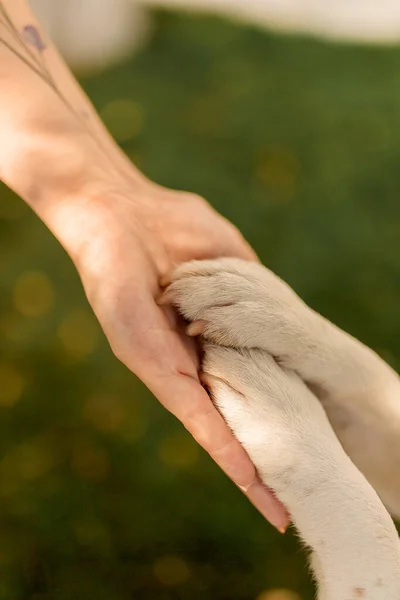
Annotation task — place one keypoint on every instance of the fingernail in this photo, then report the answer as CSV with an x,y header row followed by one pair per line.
x,y
268,505
207,380
282,530
244,488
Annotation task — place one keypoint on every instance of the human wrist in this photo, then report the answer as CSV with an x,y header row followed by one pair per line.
x,y
50,163
69,180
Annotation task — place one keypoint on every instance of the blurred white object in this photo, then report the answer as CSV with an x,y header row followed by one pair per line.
x,y
94,33
373,21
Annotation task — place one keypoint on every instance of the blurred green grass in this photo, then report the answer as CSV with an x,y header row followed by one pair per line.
x,y
102,494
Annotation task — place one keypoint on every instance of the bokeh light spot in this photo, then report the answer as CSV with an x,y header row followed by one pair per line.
x,y
33,294
79,334
135,430
123,118
171,570
26,462
278,594
104,412
278,169
34,459
90,532
179,451
10,325
12,384
89,461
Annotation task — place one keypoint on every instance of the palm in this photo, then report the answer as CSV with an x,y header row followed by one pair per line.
x,y
150,340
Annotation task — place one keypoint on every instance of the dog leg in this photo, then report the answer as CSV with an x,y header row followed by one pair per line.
x,y
245,305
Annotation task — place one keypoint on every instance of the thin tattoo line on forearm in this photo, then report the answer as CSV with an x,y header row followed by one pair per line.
x,y
9,26
30,51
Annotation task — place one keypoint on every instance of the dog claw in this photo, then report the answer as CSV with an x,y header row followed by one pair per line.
x,y
165,298
165,280
196,328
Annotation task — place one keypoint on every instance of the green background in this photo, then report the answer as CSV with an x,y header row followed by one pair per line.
x,y
103,495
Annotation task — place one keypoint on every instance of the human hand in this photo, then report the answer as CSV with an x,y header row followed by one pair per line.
x,y
132,238
122,232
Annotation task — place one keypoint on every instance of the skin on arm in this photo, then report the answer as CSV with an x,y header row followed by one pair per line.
x,y
123,232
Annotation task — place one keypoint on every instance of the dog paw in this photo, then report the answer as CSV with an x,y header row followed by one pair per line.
x,y
250,321
272,413
235,303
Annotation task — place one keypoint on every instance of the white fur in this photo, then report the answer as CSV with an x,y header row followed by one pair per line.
x,y
291,385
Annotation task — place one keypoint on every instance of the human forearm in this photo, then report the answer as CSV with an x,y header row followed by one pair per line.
x,y
53,145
